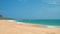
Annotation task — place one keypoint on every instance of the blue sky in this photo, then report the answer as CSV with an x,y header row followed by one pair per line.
x,y
30,9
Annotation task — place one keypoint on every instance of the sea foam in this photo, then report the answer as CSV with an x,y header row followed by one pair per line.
x,y
27,23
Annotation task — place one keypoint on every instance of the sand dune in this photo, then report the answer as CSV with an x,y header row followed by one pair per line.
x,y
7,27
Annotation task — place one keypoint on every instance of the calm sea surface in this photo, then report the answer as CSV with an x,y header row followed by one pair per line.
x,y
45,22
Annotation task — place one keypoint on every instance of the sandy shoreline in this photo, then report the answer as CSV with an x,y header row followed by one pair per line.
x,y
38,25
11,27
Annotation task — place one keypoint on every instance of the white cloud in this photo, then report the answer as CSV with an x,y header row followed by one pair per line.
x,y
22,0
51,1
54,2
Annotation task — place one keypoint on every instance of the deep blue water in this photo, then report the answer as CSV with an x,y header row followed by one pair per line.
x,y
45,22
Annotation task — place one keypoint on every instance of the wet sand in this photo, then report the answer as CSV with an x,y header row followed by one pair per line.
x,y
7,27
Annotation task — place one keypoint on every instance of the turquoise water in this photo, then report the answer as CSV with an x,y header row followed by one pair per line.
x,y
45,22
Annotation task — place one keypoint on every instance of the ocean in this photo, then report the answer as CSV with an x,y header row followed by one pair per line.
x,y
43,22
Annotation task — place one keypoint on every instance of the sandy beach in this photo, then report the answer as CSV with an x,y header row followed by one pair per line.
x,y
8,27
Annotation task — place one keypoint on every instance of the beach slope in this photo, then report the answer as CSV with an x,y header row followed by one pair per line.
x,y
7,27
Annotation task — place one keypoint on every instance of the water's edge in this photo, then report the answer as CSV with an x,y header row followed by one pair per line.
x,y
43,25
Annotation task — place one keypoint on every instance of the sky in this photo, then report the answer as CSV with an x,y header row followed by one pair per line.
x,y
30,9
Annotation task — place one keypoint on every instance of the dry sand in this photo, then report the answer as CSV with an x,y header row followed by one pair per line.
x,y
7,27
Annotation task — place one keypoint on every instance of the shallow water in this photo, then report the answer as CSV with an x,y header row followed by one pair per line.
x,y
45,22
